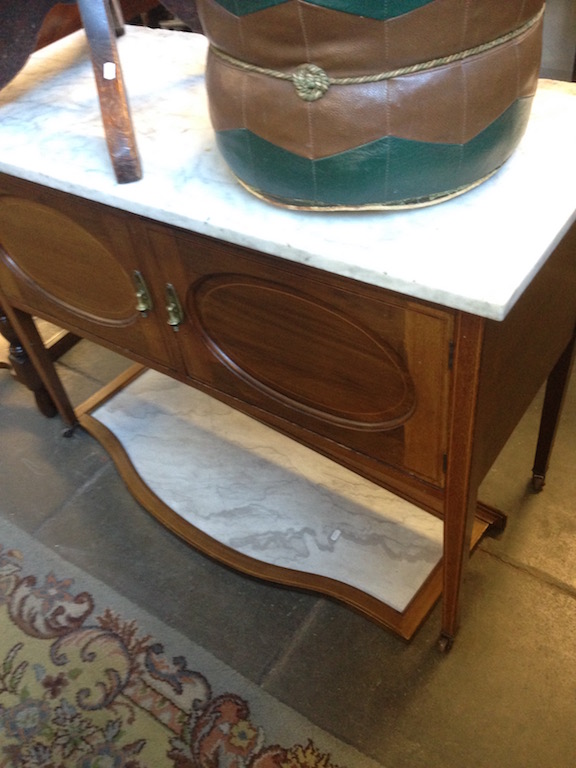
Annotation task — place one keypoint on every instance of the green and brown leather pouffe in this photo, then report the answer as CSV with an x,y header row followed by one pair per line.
x,y
369,104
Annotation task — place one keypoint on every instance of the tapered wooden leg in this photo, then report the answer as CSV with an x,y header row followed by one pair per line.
x,y
553,401
23,368
461,489
42,363
99,24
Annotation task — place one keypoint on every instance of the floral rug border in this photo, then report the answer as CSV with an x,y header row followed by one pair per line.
x,y
86,687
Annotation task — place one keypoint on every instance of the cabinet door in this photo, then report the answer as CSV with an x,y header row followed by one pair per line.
x,y
74,263
351,370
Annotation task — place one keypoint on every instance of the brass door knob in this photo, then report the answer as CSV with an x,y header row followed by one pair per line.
x,y
143,299
173,307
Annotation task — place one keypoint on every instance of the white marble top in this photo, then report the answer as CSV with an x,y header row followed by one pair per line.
x,y
476,252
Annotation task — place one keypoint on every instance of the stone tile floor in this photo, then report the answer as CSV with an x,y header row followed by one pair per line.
x,y
506,693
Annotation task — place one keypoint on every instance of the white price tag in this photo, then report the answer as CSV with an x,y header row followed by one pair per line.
x,y
109,70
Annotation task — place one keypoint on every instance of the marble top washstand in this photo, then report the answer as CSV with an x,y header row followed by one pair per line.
x,y
476,252
242,484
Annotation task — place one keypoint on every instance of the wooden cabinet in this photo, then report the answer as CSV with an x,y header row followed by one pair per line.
x,y
333,363
79,266
361,375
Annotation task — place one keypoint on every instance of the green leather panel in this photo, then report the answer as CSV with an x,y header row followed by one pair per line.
x,y
372,9
391,170
244,7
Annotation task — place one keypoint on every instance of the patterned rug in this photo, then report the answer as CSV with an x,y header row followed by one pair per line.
x,y
89,680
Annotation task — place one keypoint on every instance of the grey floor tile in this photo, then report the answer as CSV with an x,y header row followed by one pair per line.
x,y
505,695
93,364
541,531
39,469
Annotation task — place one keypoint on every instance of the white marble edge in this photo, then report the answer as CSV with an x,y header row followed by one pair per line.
x,y
476,253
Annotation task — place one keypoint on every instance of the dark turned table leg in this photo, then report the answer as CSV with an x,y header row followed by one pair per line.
x,y
24,369
551,410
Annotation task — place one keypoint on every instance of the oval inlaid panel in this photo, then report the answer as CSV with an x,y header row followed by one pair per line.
x,y
65,262
305,353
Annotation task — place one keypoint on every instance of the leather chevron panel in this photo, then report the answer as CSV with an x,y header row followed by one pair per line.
x,y
391,170
450,105
374,9
285,35
245,7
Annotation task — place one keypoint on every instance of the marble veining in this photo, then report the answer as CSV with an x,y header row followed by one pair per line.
x,y
476,253
267,496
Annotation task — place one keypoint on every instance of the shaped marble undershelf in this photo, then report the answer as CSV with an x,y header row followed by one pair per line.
x,y
265,495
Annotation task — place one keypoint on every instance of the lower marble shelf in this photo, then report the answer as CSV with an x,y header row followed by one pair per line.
x,y
274,502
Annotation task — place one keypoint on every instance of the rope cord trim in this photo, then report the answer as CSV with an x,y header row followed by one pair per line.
x,y
311,81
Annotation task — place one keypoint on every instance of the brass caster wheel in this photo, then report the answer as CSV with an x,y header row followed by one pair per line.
x,y
445,643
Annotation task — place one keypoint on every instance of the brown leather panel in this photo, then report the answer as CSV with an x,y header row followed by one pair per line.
x,y
451,104
239,99
283,36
